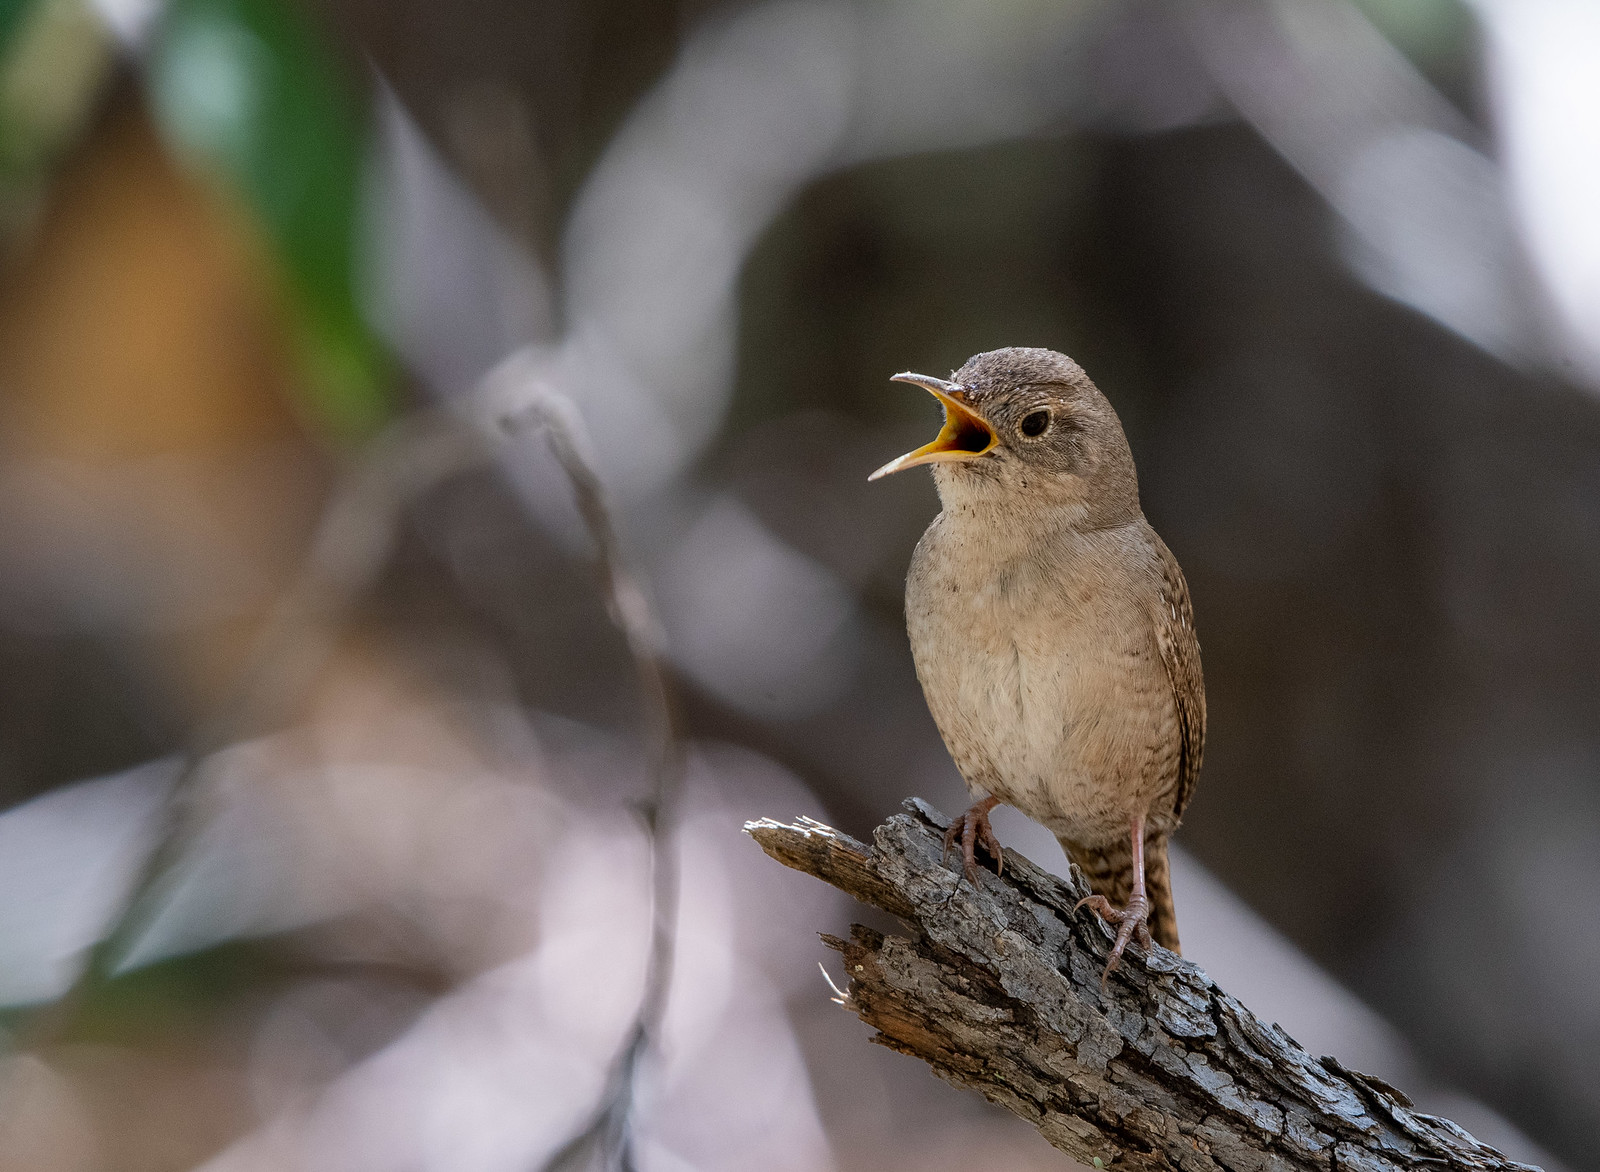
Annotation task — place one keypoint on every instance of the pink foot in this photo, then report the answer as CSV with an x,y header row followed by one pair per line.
x,y
973,828
1133,921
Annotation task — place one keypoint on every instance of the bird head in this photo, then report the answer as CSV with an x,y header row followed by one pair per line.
x,y
1027,428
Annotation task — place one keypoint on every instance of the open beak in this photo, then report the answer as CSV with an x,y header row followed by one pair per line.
x,y
965,436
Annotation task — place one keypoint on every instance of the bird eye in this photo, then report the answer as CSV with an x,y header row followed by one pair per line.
x,y
1034,423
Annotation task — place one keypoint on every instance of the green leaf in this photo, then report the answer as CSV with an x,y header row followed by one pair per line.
x,y
54,57
250,91
11,14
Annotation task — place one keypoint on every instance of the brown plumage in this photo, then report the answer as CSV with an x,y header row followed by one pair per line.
x,y
1052,630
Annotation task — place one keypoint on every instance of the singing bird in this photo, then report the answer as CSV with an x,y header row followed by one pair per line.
x,y
1052,631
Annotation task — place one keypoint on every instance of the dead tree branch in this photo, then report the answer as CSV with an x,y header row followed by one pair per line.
x,y
998,989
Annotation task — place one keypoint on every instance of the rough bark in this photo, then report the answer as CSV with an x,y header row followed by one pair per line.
x,y
998,989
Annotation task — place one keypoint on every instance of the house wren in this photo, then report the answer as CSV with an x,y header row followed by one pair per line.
x,y
1052,631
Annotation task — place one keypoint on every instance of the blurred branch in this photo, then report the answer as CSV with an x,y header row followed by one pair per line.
x,y
352,545
998,989
608,1128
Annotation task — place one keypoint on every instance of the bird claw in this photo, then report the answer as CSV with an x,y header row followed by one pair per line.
x,y
973,830
1132,923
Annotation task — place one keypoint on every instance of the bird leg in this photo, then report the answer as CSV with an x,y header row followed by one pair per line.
x,y
973,828
1133,920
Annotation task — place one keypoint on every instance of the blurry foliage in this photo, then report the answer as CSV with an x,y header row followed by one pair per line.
x,y
1430,32
182,996
54,55
1300,441
11,14
1440,38
577,68
250,90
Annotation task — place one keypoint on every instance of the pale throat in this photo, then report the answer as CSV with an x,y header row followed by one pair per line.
x,y
1036,502
1004,522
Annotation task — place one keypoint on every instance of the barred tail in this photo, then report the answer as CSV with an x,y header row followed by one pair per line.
x,y
1110,873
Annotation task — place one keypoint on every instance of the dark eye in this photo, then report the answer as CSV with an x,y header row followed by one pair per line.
x,y
1034,423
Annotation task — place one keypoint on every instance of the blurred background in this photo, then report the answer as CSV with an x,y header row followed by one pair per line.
x,y
321,762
